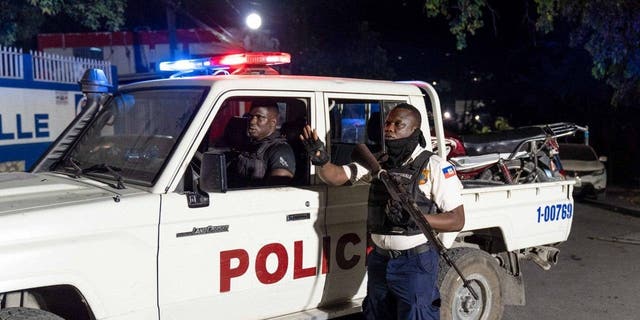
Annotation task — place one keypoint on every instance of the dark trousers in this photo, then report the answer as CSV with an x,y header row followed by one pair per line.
x,y
402,288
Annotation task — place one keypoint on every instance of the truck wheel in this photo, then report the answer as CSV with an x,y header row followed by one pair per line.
x,y
481,271
27,314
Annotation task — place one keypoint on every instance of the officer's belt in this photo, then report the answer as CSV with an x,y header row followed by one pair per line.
x,y
393,254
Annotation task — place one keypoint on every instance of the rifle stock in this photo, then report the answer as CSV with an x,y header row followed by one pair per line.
x,y
363,156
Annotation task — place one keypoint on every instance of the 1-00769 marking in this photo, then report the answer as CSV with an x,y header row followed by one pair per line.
x,y
555,212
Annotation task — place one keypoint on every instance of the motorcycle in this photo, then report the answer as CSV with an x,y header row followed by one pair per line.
x,y
523,155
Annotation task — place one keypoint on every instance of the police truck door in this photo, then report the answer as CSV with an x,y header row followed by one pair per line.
x,y
353,119
253,252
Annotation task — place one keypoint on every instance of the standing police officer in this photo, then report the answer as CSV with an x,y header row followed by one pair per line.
x,y
403,268
269,159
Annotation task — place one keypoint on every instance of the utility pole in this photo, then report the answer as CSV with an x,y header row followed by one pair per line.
x,y
171,28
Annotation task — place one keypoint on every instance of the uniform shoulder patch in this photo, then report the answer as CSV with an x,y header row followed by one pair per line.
x,y
424,176
448,171
283,162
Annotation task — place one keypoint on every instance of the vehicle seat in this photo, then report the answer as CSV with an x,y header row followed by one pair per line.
x,y
374,132
291,131
235,134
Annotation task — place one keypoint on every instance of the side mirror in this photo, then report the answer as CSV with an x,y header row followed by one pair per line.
x,y
213,172
602,158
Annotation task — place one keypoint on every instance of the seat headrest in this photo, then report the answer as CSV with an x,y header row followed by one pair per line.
x,y
374,129
235,133
291,130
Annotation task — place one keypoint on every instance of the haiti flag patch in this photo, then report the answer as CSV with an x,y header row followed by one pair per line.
x,y
449,172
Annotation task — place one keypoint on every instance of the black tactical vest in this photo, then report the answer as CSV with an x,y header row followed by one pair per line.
x,y
387,217
251,164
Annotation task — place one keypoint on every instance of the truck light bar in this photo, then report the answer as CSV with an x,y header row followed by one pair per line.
x,y
223,64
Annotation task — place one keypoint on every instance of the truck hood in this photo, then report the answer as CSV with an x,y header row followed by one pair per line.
x,y
21,191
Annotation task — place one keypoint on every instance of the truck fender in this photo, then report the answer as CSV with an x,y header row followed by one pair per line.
x,y
63,300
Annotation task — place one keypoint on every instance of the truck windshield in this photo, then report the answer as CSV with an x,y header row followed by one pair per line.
x,y
133,135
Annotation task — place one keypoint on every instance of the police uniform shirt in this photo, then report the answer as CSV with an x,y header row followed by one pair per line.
x,y
439,183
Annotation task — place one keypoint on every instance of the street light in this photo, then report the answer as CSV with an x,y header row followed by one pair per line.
x,y
253,21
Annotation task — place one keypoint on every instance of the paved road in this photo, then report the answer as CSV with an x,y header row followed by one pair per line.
x,y
597,276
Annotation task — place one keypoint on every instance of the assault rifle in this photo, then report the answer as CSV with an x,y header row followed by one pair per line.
x,y
398,193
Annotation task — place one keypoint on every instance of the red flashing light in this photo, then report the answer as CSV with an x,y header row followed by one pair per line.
x,y
253,58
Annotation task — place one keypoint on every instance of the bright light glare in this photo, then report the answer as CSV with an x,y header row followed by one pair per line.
x,y
477,117
253,21
184,65
233,59
180,65
255,58
447,115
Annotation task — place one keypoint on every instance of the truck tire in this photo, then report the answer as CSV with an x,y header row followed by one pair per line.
x,y
27,314
480,269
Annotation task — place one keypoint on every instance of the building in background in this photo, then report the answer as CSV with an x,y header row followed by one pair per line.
x,y
40,96
137,54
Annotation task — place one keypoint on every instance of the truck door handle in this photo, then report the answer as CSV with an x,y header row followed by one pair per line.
x,y
298,216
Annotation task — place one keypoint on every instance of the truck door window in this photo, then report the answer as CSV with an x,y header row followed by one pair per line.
x,y
355,122
229,134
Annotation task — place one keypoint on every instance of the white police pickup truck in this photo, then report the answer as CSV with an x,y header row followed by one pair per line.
x,y
129,215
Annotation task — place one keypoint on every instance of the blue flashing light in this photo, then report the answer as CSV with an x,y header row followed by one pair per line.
x,y
188,64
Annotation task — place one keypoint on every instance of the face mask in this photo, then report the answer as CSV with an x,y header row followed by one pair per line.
x,y
399,150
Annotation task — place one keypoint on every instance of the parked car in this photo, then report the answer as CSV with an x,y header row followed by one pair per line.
x,y
581,162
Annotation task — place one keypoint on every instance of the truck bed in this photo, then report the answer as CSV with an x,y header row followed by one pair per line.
x,y
527,214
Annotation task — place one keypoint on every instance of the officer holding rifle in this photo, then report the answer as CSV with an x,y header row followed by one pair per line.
x,y
403,268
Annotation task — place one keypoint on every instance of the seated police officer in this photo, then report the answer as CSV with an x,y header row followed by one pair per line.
x,y
268,158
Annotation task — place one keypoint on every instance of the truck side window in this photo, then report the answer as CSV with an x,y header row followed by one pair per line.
x,y
252,162
355,122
